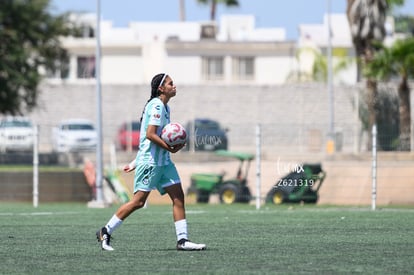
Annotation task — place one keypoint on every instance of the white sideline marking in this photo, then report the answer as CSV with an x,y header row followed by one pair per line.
x,y
330,209
72,213
37,213
195,211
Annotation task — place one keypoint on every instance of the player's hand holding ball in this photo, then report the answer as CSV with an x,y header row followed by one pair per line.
x,y
175,135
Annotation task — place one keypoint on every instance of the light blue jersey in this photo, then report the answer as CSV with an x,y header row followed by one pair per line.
x,y
155,113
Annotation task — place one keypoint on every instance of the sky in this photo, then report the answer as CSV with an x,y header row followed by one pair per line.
x,y
268,13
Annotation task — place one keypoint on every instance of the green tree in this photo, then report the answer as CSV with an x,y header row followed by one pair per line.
x,y
29,37
320,66
213,5
404,24
367,24
319,70
397,60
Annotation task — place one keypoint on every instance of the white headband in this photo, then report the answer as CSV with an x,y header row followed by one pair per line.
x,y
162,80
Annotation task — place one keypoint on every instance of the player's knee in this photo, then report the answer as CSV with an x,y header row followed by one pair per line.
x,y
179,201
138,204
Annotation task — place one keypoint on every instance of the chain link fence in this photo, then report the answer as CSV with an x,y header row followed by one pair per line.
x,y
284,148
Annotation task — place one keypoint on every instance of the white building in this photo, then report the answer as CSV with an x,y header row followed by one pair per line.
x,y
201,52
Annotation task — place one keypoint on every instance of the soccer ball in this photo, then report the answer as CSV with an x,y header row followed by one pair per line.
x,y
174,134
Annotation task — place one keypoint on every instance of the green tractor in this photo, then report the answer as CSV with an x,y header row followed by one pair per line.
x,y
230,191
298,186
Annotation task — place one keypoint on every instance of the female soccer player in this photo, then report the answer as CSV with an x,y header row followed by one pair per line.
x,y
154,168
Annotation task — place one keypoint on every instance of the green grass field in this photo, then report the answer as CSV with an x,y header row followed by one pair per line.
x,y
60,238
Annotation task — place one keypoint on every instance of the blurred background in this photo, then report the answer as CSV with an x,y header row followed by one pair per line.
x,y
314,80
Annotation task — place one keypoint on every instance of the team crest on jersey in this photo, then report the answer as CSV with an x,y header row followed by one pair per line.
x,y
145,181
157,116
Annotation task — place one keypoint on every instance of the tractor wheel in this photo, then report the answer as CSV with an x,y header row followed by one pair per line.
x,y
191,195
197,195
203,196
246,196
276,196
312,199
229,194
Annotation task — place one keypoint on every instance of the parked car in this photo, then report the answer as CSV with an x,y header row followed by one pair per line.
x,y
16,134
128,135
208,135
74,135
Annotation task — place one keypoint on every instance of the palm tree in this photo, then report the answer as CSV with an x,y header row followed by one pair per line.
x,y
182,10
367,24
404,24
398,60
213,5
318,71
320,67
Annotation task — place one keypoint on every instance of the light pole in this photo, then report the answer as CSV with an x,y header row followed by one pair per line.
x,y
331,138
99,163
182,10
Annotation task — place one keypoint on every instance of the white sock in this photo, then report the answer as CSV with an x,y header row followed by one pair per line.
x,y
181,229
113,224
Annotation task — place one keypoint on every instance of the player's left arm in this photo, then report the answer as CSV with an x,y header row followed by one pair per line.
x,y
130,166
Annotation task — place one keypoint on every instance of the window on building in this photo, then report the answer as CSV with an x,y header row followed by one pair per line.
x,y
86,67
84,30
61,69
213,68
243,68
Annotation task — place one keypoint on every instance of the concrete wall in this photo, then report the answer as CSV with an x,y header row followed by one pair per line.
x,y
53,186
348,182
286,112
294,118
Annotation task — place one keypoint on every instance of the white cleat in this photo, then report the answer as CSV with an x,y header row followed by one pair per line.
x,y
188,246
104,238
106,246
